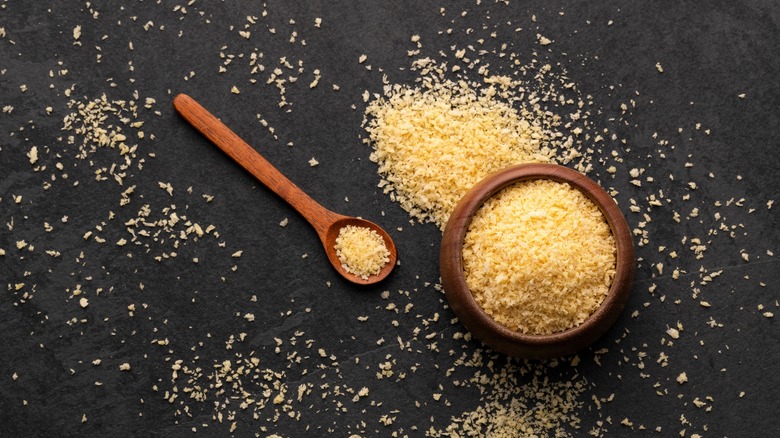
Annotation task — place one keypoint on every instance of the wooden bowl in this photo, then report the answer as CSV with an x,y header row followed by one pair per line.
x,y
497,336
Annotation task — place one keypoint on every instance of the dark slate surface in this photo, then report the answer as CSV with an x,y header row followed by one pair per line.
x,y
710,55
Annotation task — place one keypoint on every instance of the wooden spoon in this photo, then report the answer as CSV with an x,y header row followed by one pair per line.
x,y
326,223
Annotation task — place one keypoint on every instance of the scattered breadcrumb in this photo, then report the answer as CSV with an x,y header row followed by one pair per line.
x,y
33,154
104,139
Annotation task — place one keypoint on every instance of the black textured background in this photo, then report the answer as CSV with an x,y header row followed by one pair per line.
x,y
710,53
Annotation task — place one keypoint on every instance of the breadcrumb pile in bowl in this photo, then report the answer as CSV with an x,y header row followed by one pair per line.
x,y
537,261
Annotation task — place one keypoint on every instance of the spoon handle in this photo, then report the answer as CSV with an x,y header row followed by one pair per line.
x,y
243,154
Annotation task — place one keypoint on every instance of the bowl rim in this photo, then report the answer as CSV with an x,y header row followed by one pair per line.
x,y
484,327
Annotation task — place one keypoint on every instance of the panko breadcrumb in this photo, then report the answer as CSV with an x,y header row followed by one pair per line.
x,y
434,143
539,257
361,250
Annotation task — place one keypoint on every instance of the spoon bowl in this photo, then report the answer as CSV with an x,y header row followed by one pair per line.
x,y
326,223
329,242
